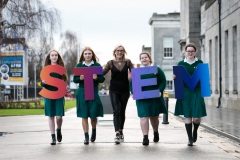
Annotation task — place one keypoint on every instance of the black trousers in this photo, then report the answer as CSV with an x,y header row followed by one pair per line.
x,y
119,104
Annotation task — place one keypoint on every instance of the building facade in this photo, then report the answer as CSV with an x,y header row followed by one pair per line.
x,y
190,24
165,50
219,43
146,49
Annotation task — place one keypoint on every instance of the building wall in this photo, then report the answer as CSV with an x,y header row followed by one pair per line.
x,y
164,26
230,42
160,33
190,24
146,49
209,28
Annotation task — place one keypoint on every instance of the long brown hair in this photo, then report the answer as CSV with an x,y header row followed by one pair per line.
x,y
94,57
59,62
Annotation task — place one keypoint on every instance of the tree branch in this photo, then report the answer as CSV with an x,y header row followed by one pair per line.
x,y
3,3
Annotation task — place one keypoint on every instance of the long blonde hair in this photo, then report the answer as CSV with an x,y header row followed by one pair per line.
x,y
125,53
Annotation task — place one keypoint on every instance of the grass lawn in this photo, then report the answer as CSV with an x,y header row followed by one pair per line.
x,y
21,112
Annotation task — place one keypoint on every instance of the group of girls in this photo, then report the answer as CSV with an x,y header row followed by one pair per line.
x,y
192,106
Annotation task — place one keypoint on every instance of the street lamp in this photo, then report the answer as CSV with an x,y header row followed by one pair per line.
x,y
35,81
1,95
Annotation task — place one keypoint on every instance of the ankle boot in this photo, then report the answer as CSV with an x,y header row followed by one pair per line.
x,y
196,125
86,141
155,136
59,135
189,133
145,140
53,139
93,136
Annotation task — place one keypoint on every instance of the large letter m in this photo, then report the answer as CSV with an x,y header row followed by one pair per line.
x,y
200,74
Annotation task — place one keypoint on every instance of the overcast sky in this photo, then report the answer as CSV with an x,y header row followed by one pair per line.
x,y
103,24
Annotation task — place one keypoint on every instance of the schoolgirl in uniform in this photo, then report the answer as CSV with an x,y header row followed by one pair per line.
x,y
54,107
192,106
88,108
149,109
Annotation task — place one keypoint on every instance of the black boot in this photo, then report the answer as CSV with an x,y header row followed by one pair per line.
x,y
189,133
59,135
196,125
156,136
53,139
86,141
93,136
145,140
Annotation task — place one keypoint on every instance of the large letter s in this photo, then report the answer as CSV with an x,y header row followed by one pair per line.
x,y
56,82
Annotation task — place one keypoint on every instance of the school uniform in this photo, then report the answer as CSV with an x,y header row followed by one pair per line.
x,y
153,106
192,105
53,107
88,108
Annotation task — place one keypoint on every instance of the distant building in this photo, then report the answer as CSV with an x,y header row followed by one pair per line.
x,y
146,49
165,50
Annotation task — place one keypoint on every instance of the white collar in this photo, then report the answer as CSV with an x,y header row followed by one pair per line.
x,y
146,66
88,64
185,60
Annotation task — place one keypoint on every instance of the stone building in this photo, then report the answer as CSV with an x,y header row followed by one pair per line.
x,y
146,49
214,25
165,50
190,24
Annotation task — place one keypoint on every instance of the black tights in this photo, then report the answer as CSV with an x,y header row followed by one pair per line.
x,y
119,104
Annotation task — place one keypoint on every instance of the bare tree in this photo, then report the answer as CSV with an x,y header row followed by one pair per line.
x,y
69,48
2,5
37,23
36,57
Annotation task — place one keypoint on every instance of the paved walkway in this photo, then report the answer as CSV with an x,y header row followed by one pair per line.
x,y
219,120
29,137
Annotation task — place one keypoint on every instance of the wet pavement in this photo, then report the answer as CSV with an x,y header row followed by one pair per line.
x,y
219,120
29,138
225,120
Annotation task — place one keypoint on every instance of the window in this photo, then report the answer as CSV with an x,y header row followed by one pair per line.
x,y
169,85
226,61
168,47
216,60
235,58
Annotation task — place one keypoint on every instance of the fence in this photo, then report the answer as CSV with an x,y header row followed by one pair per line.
x,y
11,93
